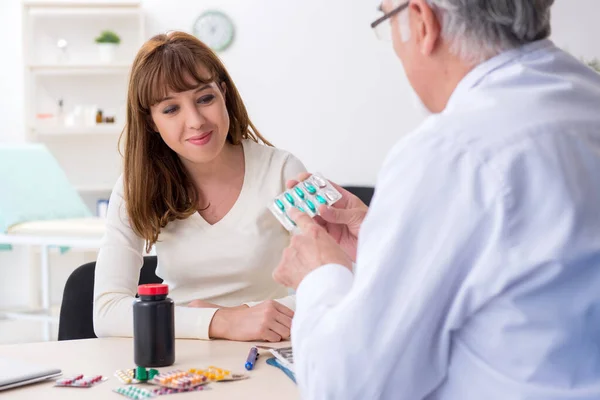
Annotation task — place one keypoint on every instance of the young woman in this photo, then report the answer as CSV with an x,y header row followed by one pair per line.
x,y
196,184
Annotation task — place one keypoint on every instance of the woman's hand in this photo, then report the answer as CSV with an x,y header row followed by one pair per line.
x,y
269,321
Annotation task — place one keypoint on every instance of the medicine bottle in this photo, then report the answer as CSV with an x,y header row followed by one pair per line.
x,y
153,327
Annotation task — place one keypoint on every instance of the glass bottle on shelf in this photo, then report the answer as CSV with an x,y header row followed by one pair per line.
x,y
60,116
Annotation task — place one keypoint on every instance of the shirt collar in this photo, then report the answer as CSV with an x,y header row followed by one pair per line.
x,y
477,74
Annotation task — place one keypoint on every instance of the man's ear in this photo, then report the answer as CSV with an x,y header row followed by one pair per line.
x,y
428,28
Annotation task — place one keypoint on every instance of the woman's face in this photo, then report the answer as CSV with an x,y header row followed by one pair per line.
x,y
195,123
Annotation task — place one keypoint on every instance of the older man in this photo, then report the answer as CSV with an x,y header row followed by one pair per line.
x,y
478,264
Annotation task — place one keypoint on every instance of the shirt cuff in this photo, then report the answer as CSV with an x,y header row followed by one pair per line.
x,y
324,286
193,322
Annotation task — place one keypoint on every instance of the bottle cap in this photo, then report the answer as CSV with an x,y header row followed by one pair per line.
x,y
153,289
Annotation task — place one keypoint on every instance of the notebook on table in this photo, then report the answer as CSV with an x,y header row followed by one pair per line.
x,y
14,373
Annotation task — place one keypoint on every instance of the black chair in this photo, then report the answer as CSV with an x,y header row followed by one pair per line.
x,y
76,311
365,193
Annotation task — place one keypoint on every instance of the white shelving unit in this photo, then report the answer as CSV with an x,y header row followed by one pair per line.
x,y
77,78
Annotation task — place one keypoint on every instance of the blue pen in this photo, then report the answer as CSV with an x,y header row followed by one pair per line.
x,y
252,357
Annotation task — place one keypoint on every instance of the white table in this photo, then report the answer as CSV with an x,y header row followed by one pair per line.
x,y
105,356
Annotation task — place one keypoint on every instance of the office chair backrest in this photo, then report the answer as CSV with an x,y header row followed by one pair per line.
x,y
365,193
76,319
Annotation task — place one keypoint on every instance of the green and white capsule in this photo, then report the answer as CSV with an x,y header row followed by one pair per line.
x,y
299,193
321,199
309,187
280,204
290,199
311,206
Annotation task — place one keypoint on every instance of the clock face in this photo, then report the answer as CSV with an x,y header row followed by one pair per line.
x,y
215,29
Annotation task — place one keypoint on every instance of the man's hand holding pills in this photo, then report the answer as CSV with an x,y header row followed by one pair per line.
x,y
342,220
310,249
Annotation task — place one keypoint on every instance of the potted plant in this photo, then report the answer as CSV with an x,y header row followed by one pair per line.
x,y
107,44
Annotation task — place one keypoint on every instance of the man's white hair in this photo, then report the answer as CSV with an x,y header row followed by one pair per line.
x,y
480,29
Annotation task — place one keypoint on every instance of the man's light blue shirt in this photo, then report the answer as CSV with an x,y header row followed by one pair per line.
x,y
478,270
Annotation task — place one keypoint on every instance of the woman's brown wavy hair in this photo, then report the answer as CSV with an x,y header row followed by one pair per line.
x,y
157,188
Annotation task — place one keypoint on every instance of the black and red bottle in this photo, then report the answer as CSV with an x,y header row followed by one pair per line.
x,y
153,327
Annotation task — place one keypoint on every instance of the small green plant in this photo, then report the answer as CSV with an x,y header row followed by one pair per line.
x,y
108,37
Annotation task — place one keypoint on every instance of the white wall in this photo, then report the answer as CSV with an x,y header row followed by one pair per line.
x,y
315,79
575,27
313,76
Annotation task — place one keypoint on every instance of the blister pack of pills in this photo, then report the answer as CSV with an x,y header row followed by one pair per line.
x,y
80,381
216,374
178,380
138,392
126,376
135,392
306,196
135,375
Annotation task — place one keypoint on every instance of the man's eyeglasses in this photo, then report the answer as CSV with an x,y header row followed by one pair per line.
x,y
384,31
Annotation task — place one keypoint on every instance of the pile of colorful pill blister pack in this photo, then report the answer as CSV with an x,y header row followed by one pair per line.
x,y
170,382
306,196
159,383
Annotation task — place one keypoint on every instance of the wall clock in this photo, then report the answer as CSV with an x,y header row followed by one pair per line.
x,y
215,29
